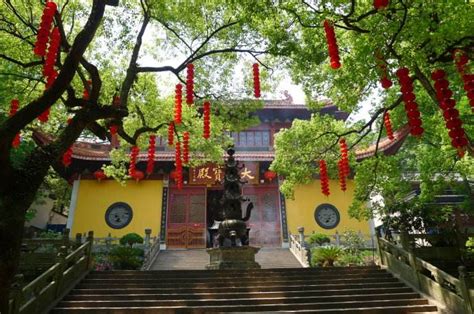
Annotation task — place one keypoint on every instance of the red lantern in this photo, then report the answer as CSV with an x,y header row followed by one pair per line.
x,y
207,119
382,65
388,125
113,129
381,4
44,29
461,59
342,175
269,175
256,80
186,147
411,107
151,155
43,118
323,177
50,61
100,175
171,134
67,157
85,93
173,175
333,49
138,175
344,156
451,115
179,166
190,84
178,101
14,105
133,161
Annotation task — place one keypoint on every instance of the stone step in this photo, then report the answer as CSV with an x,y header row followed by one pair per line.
x,y
243,308
223,283
156,279
242,295
244,288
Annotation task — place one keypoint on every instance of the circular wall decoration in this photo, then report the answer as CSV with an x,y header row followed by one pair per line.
x,y
118,215
327,216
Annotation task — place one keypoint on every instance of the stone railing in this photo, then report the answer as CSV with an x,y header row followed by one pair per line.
x,y
298,247
455,293
152,248
46,290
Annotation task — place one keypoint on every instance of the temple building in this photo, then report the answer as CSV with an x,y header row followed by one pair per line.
x,y
181,218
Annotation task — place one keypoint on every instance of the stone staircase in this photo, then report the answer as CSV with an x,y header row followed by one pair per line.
x,y
318,290
198,259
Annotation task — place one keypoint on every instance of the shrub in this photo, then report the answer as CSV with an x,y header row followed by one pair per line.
x,y
326,255
131,239
318,239
124,257
352,241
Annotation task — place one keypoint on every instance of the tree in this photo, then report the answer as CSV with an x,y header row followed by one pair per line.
x,y
415,34
102,42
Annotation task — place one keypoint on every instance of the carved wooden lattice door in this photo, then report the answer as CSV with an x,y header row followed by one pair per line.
x,y
187,218
264,223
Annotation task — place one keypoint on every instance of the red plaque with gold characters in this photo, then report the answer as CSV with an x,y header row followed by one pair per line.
x,y
212,174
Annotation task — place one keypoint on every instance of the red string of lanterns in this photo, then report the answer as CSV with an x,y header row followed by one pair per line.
x,y
381,4
44,29
323,177
343,164
256,80
50,61
100,175
461,59
178,104
382,65
411,107
170,134
207,119
14,105
113,129
67,157
190,84
85,93
151,155
450,114
132,170
186,147
341,174
333,49
388,125
179,166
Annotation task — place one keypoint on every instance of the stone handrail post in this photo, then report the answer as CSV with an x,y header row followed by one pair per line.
x,y
108,242
147,239
16,294
65,237
404,239
90,239
78,239
465,284
301,233
337,237
61,259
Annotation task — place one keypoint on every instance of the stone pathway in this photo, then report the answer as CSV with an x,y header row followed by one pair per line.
x,y
198,259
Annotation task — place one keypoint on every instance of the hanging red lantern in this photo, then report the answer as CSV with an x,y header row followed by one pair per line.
x,y
113,129
333,49
178,102
173,175
100,175
16,141
85,93
133,161
411,107
451,115
50,61
67,157
138,175
270,175
14,105
342,175
381,4
256,80
344,156
461,59
190,84
44,28
151,155
186,147
388,125
207,120
323,177
171,134
43,117
179,166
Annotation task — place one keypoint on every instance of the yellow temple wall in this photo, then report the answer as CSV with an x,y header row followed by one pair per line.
x,y
94,198
300,211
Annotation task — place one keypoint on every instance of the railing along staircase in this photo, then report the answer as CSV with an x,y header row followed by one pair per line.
x,y
455,293
46,290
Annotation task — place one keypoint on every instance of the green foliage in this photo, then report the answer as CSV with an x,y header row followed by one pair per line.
x,y
131,239
318,239
362,258
50,235
325,255
353,241
125,257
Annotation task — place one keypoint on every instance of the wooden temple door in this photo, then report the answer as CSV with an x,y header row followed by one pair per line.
x,y
186,226
264,223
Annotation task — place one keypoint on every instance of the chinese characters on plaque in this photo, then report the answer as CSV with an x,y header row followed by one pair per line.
x,y
211,174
